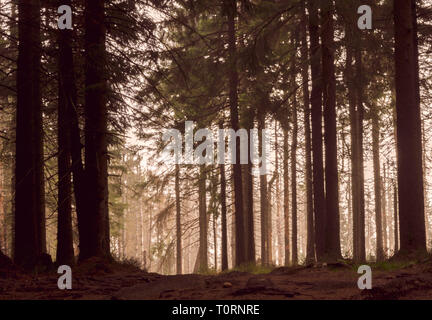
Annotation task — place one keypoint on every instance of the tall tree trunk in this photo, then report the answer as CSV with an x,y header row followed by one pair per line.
x,y
67,101
317,136
203,224
269,231
264,204
224,248
29,213
286,194
384,211
294,143
231,10
39,132
410,173
280,243
395,213
332,249
354,147
215,251
178,220
249,213
377,183
96,127
294,187
3,220
360,159
356,124
425,182
310,247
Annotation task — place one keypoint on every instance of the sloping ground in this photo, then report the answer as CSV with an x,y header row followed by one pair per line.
x,y
99,281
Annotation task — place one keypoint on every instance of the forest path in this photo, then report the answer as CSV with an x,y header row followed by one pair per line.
x,y
300,283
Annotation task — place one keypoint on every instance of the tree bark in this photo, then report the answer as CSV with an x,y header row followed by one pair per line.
x,y
231,10
360,159
280,243
294,143
224,248
29,202
310,247
356,124
203,224
67,101
96,132
384,211
377,183
410,173
178,221
263,201
317,136
286,195
395,212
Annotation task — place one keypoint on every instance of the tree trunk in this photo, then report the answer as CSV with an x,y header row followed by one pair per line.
x,y
384,211
67,101
203,224
249,213
332,231
224,248
356,124
269,224
286,195
294,172
231,10
310,247
425,182
280,243
377,183
360,152
410,173
96,127
263,201
29,204
317,138
395,212
215,241
178,220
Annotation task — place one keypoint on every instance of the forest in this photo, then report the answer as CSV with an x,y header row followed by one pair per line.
x,y
218,140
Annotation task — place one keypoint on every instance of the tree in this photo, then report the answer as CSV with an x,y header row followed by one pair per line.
x,y
377,182
224,218
410,173
310,247
294,144
203,222
230,7
317,139
29,183
96,132
178,221
286,193
66,102
356,128
332,235
264,201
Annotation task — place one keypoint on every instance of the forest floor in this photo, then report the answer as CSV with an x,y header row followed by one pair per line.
x,y
99,281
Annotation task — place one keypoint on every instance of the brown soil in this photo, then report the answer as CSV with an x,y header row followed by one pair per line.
x,y
105,282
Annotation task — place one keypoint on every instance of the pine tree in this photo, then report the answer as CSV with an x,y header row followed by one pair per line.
x,y
410,175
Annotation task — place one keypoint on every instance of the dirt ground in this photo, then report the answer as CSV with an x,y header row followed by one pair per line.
x,y
107,282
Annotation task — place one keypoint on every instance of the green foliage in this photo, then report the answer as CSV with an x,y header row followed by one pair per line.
x,y
130,263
